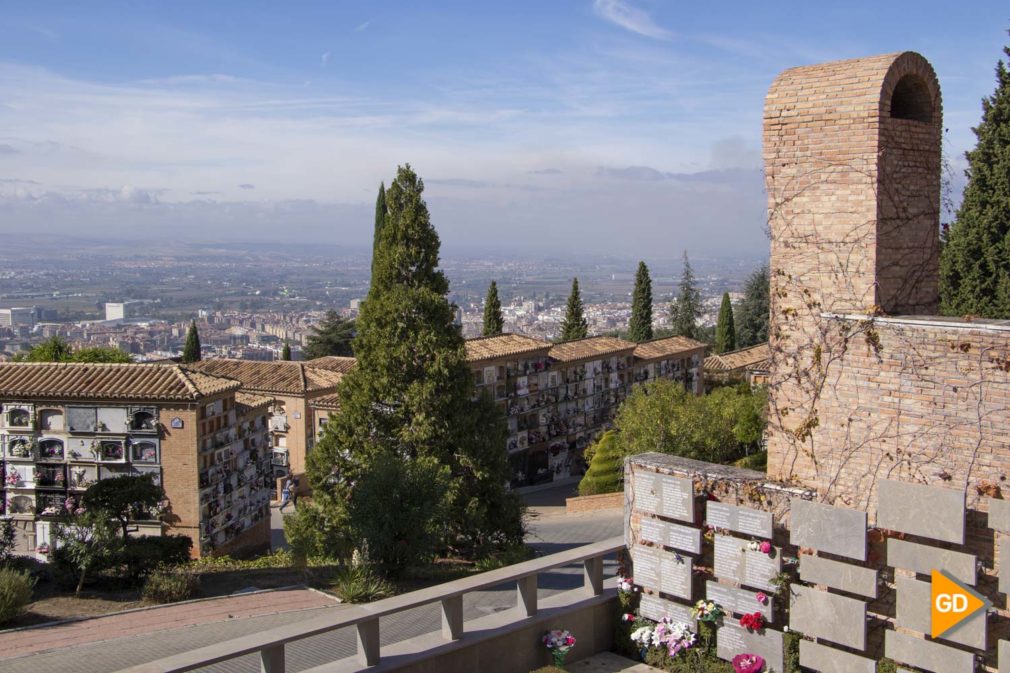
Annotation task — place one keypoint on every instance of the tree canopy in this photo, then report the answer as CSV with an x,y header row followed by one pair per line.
x,y
409,406
686,309
125,498
975,258
575,325
191,352
640,327
286,351
751,314
56,349
333,336
725,330
494,322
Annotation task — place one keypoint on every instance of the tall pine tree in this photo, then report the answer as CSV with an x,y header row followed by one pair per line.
x,y
191,351
494,322
286,352
408,408
380,218
640,328
333,336
686,309
751,313
975,259
725,330
575,325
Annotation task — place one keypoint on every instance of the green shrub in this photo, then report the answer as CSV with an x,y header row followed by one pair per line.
x,y
549,669
510,555
170,586
143,555
755,461
606,472
15,593
361,584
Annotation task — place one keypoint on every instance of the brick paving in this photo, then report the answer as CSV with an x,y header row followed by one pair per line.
x,y
550,531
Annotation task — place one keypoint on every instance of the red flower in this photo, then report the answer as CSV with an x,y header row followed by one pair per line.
x,y
748,663
754,621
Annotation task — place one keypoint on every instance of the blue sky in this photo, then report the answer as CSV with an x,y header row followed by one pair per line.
x,y
600,125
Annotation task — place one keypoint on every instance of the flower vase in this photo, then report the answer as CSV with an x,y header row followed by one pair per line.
x,y
559,658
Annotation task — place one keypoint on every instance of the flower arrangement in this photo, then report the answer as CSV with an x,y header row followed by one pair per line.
x,y
753,621
13,477
707,611
763,546
673,636
42,549
748,663
626,584
762,598
559,642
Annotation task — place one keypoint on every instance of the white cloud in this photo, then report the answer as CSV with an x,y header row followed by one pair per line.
x,y
325,59
630,18
362,27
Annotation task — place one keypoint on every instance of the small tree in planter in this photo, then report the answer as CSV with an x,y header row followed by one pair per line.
x,y
605,474
85,540
125,499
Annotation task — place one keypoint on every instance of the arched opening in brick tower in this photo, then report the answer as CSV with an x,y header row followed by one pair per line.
x,y
911,100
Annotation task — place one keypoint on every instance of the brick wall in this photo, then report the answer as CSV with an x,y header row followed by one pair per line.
x,y
180,463
852,162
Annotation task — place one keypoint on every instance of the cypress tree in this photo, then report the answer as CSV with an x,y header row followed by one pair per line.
x,y
725,330
410,400
191,351
686,309
286,351
494,323
575,325
640,327
380,218
751,313
606,470
975,258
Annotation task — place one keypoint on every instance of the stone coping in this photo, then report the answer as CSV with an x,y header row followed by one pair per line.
x,y
927,321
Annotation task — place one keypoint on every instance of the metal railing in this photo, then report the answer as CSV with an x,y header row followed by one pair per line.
x,y
270,644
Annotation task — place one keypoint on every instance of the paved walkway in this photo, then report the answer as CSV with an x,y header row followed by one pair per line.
x,y
550,531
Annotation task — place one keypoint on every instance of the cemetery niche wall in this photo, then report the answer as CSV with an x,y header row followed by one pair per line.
x,y
854,586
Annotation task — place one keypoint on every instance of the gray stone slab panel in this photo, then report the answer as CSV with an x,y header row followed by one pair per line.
x,y
1004,656
835,618
1003,549
999,514
927,655
924,559
739,601
733,561
675,577
917,509
646,562
655,607
825,659
646,491
674,535
833,530
739,519
837,575
676,498
732,640
913,611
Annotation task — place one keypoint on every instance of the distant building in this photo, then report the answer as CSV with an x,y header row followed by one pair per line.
x,y
745,364
65,426
23,316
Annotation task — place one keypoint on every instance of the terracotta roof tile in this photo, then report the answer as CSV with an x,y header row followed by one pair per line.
x,y
277,377
503,345
738,359
591,347
107,381
666,347
333,363
248,401
329,402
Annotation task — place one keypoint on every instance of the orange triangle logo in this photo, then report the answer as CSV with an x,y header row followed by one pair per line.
x,y
953,603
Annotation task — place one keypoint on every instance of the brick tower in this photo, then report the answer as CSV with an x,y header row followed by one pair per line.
x,y
852,169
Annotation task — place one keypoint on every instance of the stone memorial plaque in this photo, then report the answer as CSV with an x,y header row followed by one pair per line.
x,y
682,538
849,578
927,655
824,659
733,561
1004,656
924,559
739,601
655,608
913,612
675,576
1003,547
646,485
676,498
917,509
999,514
646,565
729,561
760,569
833,530
739,519
732,640
827,616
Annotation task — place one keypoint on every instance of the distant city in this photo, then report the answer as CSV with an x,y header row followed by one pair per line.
x,y
251,300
